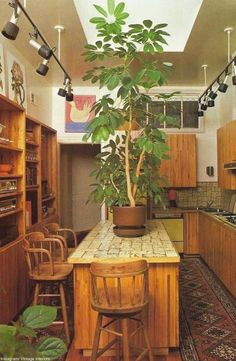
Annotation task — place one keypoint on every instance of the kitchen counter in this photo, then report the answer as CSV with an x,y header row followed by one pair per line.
x,y
101,242
163,310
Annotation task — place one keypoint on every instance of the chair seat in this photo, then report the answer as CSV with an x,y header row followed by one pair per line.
x,y
42,273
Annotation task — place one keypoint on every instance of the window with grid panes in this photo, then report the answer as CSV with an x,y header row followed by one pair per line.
x,y
185,112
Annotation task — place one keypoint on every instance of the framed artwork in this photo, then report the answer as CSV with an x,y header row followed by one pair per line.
x,y
16,80
78,113
2,72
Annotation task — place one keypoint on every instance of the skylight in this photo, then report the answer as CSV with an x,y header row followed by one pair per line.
x,y
178,14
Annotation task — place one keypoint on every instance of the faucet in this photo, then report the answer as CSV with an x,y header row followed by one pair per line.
x,y
209,204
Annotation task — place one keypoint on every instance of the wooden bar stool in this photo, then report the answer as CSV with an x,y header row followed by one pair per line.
x,y
43,269
68,234
56,245
120,292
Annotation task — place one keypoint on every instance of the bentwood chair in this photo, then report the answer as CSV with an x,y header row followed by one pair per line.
x,y
120,292
45,271
57,245
52,229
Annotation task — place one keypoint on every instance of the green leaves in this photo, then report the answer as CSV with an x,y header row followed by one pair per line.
x,y
101,10
111,6
20,340
51,348
129,71
39,316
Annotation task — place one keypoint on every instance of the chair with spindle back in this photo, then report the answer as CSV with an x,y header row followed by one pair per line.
x,y
57,245
69,235
44,270
120,292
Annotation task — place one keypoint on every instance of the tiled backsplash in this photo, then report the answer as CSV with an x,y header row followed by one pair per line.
x,y
200,196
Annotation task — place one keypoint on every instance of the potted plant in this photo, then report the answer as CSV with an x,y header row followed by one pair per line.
x,y
20,340
128,164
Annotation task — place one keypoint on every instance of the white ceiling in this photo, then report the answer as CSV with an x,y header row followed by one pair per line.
x,y
206,44
179,15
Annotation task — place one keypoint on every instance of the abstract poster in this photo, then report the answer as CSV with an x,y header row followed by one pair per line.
x,y
79,114
16,80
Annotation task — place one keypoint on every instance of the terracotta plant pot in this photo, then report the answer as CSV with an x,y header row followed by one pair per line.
x,y
6,168
129,221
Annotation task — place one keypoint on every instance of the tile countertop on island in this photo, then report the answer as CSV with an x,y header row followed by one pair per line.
x,y
102,243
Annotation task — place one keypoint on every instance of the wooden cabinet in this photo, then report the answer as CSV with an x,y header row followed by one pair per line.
x,y
41,174
226,152
30,147
181,168
190,233
49,172
218,249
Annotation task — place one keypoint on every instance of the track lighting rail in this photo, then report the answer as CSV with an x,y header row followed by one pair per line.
x,y
216,80
66,75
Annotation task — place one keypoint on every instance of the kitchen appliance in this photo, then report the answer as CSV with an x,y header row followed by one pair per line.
x,y
229,216
173,223
232,204
7,205
8,185
230,165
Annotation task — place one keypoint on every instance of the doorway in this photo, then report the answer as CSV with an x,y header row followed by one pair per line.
x,y
76,163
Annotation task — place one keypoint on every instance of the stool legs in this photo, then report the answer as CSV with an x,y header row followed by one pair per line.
x,y
64,313
96,338
150,356
36,294
125,339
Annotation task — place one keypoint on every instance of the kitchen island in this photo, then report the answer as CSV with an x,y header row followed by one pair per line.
x,y
163,309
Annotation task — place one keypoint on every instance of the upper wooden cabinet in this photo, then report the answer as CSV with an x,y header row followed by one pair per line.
x,y
181,168
226,151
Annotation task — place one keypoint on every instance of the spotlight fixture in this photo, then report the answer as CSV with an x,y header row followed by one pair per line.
x,y
69,94
234,71
62,91
211,103
43,67
43,50
211,93
204,106
223,86
200,112
10,30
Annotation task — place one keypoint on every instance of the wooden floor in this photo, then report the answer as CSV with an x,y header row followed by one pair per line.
x,y
73,355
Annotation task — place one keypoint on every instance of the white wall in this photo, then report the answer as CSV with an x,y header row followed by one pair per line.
x,y
35,83
223,112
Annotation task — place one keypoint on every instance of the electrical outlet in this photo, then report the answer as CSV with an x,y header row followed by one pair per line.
x,y
33,98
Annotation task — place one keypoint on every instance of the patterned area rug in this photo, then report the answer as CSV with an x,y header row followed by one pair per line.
x,y
207,315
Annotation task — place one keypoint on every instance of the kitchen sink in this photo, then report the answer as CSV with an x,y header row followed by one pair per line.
x,y
210,209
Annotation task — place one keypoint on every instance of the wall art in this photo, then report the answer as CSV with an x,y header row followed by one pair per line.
x,y
16,80
79,114
2,72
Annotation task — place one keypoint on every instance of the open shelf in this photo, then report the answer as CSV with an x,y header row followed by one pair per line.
x,y
31,143
32,187
10,194
9,147
48,198
6,214
8,176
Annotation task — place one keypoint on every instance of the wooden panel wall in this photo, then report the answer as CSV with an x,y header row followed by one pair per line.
x,y
163,309
14,286
226,151
191,241
218,249
181,168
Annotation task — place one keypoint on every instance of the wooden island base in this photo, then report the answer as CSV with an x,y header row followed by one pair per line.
x,y
162,315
